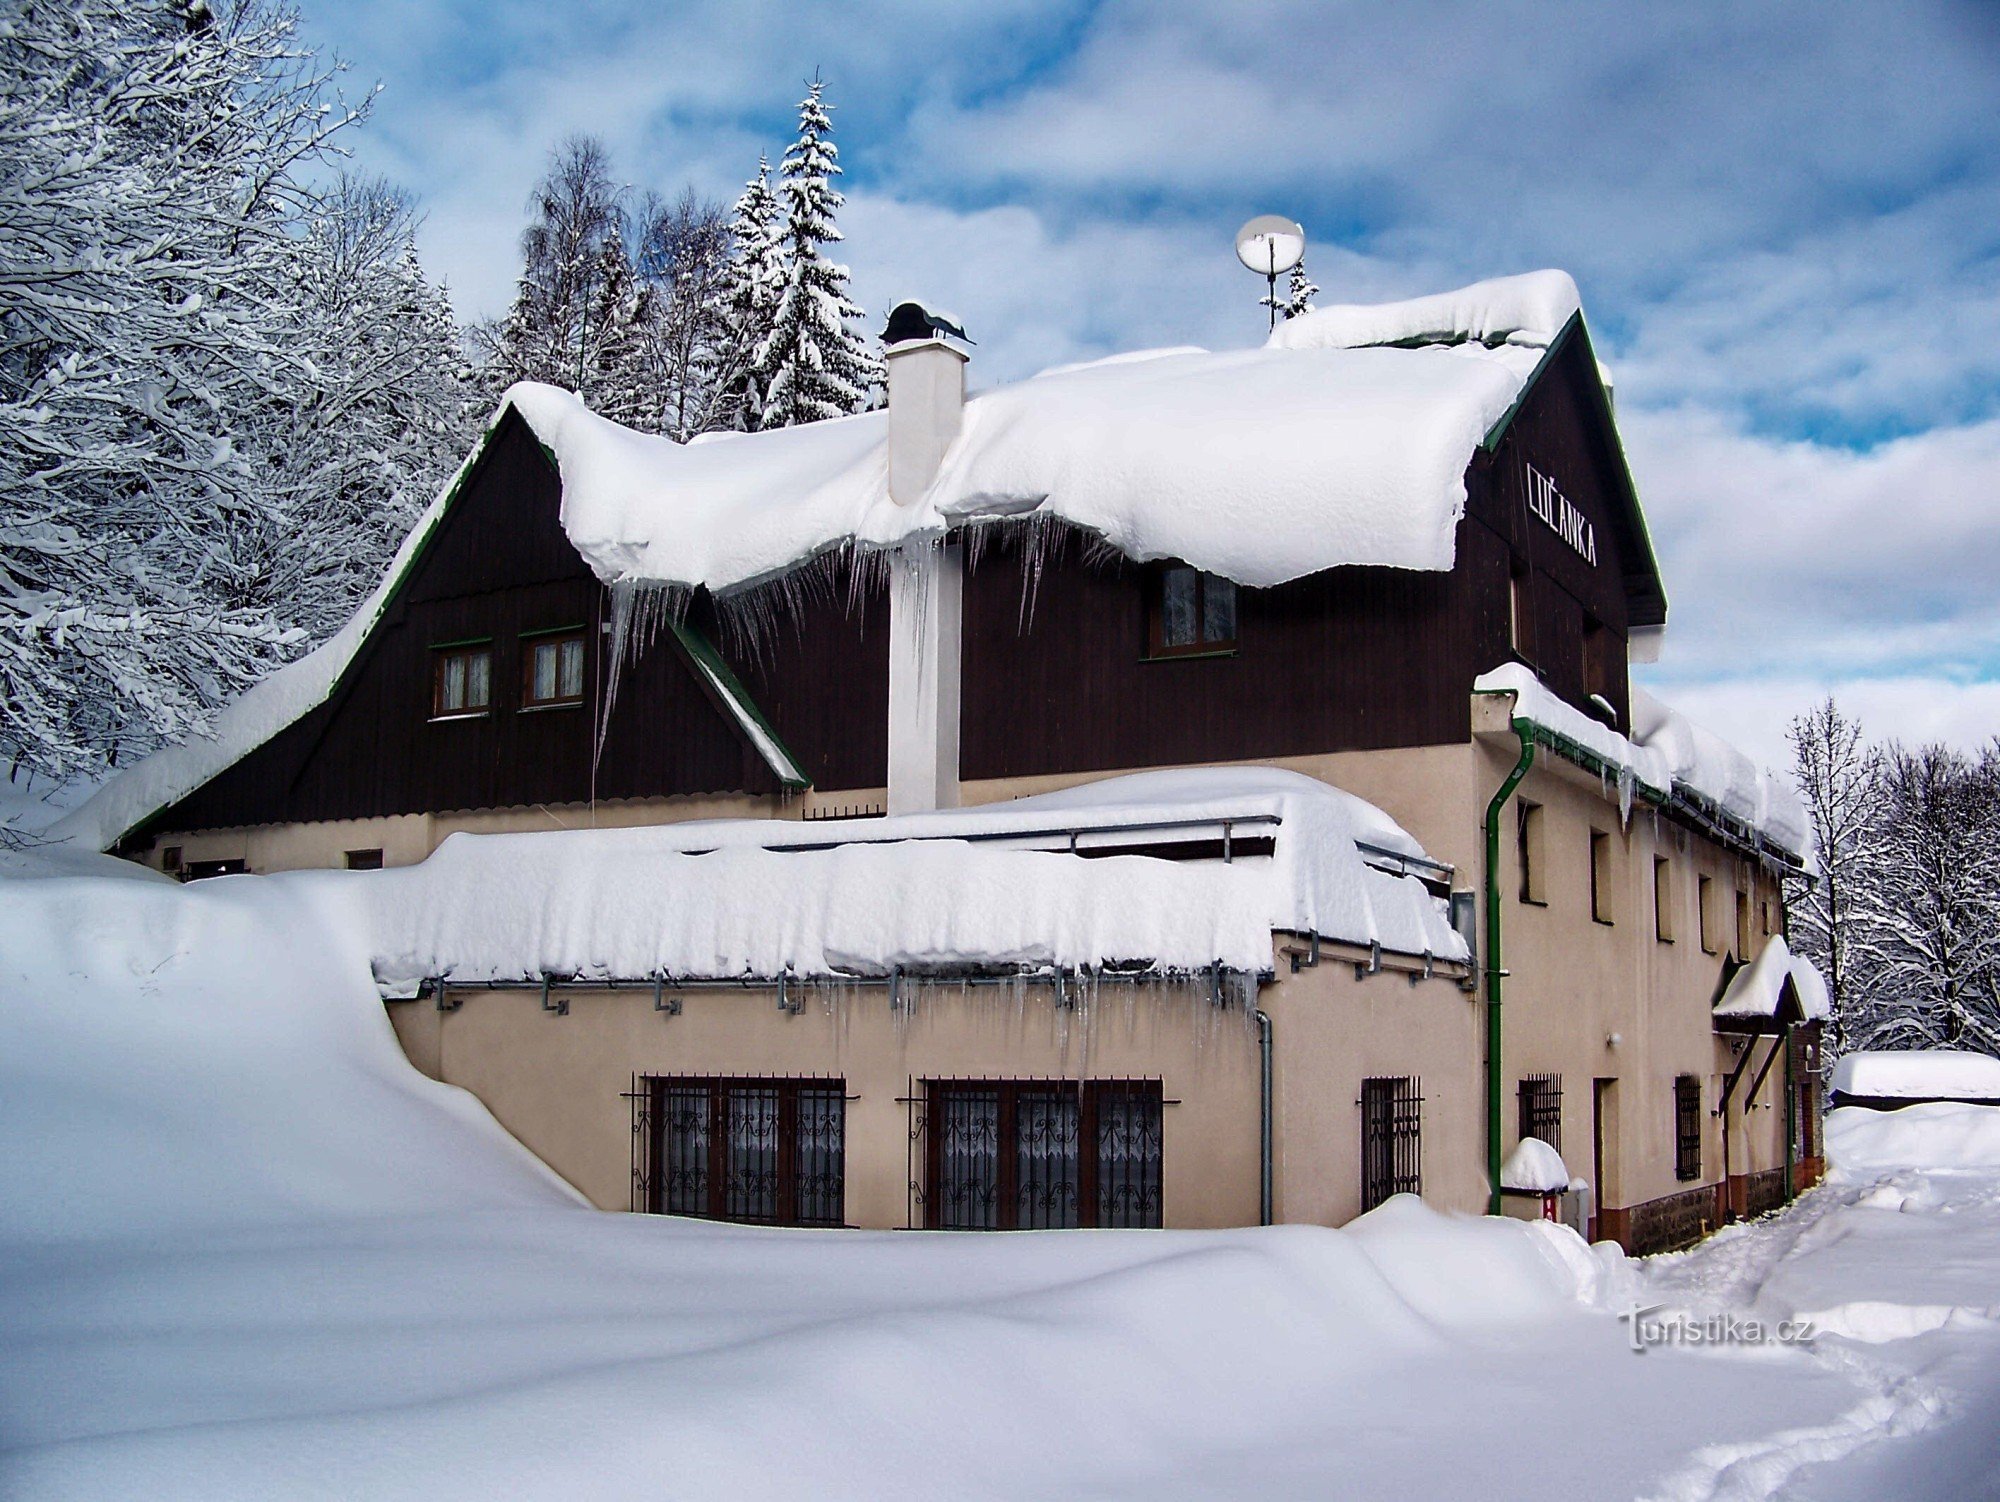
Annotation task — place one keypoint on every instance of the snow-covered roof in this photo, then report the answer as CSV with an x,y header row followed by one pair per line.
x,y
993,886
1758,988
1666,754
1344,440
1920,1073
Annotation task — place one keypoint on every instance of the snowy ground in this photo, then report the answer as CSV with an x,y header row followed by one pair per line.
x,y
246,1252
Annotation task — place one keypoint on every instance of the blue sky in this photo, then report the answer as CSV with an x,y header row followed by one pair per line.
x,y
1785,219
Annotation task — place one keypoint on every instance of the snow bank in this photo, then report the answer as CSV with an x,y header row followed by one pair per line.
x,y
1534,1167
1666,753
1918,1073
214,1055
1930,1135
923,892
1528,310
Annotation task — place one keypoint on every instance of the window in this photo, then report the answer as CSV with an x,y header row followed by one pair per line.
x,y
1663,899
1764,913
234,865
771,1151
1191,612
1541,1108
1704,891
1517,611
364,860
1018,1155
1530,838
552,670
1392,1140
1602,884
170,860
462,681
1742,925
1687,1128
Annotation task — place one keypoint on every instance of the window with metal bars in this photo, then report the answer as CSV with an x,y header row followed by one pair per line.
x,y
1687,1128
771,1151
1020,1155
1392,1139
1541,1108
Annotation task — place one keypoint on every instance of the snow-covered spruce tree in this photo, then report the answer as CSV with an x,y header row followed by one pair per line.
x,y
617,383
684,261
814,363
750,295
1927,937
148,160
1836,776
1299,292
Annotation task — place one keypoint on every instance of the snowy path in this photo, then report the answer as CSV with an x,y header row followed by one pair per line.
x,y
246,1252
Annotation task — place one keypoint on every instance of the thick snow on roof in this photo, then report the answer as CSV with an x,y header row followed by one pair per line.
x,y
1529,309
1758,988
1919,1073
1667,753
927,892
1325,447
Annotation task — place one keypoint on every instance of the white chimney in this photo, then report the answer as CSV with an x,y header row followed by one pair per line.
x,y
926,372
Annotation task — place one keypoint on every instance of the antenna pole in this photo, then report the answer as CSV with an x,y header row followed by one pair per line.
x,y
1271,281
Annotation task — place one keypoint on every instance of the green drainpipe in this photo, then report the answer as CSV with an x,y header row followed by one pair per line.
x,y
1526,732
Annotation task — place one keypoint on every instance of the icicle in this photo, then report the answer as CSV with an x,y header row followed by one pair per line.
x,y
637,610
1626,783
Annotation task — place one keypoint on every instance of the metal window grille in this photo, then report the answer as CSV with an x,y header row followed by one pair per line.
x,y
760,1150
1687,1128
1039,1155
1541,1108
1392,1143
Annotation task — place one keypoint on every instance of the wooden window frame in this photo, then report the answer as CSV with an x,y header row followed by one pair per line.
x,y
1531,849
226,865
446,653
170,859
1520,611
532,642
1392,1138
1091,1167
363,860
1687,1128
714,1192
1157,649
1603,882
1742,925
1539,1108
1663,899
1704,896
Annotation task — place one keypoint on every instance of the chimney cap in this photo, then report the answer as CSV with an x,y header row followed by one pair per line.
x,y
912,320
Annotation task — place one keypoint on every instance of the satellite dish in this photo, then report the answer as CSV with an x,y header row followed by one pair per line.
x,y
1270,245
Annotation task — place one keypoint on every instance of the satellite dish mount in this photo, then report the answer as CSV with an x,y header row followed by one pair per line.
x,y
1271,245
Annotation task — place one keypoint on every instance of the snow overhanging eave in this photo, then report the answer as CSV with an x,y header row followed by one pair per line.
x,y
1679,802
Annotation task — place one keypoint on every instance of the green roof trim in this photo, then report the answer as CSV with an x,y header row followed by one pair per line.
x,y
742,708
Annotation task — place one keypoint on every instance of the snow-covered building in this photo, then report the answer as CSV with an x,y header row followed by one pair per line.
x,y
1103,799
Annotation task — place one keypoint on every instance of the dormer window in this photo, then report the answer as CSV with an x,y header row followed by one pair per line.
x,y
1190,613
552,669
462,680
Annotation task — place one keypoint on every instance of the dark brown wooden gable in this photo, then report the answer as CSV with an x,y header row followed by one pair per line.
x,y
1579,614
1347,659
498,566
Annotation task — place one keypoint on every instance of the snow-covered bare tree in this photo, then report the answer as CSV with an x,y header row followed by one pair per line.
x,y
1926,951
684,261
383,415
814,363
150,158
1835,773
555,329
